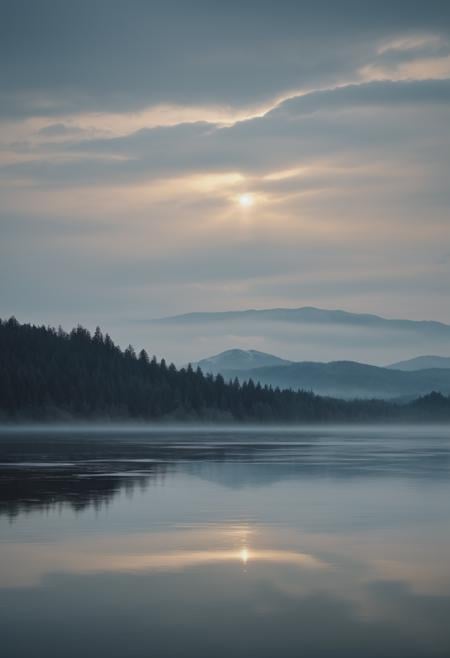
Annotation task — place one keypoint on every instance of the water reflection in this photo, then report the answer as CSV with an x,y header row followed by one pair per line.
x,y
28,488
202,603
313,545
82,469
30,563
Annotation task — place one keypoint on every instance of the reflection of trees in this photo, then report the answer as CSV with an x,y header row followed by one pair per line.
x,y
25,490
84,473
86,470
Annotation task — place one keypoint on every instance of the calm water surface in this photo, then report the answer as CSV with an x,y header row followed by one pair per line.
x,y
213,544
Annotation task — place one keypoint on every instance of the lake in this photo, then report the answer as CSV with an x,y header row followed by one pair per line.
x,y
206,543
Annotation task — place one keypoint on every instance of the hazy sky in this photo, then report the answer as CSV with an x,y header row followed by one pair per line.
x,y
130,131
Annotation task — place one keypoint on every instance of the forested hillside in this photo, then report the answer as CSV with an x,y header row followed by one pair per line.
x,y
48,374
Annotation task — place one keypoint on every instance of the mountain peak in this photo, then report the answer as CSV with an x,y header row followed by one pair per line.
x,y
422,363
239,359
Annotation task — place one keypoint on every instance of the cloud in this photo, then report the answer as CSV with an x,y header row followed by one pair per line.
x,y
323,125
64,57
372,94
59,130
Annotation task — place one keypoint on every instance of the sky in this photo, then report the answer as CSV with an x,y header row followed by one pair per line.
x,y
164,157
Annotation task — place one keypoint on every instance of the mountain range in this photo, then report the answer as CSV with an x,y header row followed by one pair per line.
x,y
345,379
300,334
309,315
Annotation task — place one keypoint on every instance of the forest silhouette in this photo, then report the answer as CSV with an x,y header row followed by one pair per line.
x,y
49,374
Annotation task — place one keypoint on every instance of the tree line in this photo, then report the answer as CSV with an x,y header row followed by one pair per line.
x,y
49,374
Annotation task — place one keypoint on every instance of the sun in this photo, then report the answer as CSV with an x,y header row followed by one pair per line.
x,y
246,200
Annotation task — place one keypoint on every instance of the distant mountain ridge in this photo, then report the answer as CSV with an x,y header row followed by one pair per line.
x,y
308,333
308,314
422,363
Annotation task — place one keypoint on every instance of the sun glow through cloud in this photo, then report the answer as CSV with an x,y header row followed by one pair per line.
x,y
246,200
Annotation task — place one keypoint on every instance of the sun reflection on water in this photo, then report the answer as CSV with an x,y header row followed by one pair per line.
x,y
244,555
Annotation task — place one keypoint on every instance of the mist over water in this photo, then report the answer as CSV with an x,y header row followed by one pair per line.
x,y
323,542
